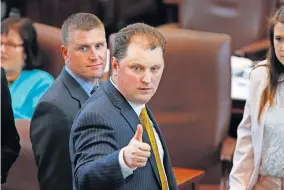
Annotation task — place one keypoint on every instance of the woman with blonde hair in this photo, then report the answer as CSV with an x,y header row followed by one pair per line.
x,y
258,162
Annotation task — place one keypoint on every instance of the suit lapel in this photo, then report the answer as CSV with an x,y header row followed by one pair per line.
x,y
131,117
156,126
74,88
166,161
258,135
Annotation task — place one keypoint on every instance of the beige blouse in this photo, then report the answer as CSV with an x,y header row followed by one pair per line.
x,y
272,159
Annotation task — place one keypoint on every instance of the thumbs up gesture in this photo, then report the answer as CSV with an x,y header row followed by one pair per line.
x,y
139,133
136,153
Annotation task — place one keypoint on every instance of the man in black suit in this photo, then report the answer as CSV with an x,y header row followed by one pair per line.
x,y
84,50
109,148
10,145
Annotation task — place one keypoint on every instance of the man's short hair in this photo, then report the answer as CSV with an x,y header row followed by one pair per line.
x,y
153,38
79,21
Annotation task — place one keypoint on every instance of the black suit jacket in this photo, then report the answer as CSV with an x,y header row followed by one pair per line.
x,y
10,145
104,125
50,130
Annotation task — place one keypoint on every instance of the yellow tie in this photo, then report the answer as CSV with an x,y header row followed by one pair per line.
x,y
144,118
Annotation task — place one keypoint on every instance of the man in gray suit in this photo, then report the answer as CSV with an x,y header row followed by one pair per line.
x,y
109,147
84,50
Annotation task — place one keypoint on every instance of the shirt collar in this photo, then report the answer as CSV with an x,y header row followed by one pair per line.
x,y
86,85
136,107
281,78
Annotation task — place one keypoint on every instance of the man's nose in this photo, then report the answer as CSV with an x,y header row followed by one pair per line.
x,y
147,77
93,53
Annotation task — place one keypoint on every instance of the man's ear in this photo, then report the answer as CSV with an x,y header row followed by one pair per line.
x,y
64,52
114,65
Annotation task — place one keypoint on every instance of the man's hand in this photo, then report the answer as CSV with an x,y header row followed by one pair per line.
x,y
136,153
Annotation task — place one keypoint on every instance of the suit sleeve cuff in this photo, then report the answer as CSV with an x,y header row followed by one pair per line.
x,y
126,171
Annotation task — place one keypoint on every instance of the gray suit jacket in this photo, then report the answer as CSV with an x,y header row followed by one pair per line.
x,y
104,125
50,130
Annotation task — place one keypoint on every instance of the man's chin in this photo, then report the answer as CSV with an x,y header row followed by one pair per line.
x,y
97,74
142,100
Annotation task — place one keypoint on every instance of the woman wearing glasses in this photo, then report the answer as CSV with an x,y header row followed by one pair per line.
x,y
19,58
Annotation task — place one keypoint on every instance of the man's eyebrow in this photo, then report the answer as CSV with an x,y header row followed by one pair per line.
x,y
134,62
88,44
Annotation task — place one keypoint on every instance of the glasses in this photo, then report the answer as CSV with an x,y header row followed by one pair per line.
x,y
11,46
